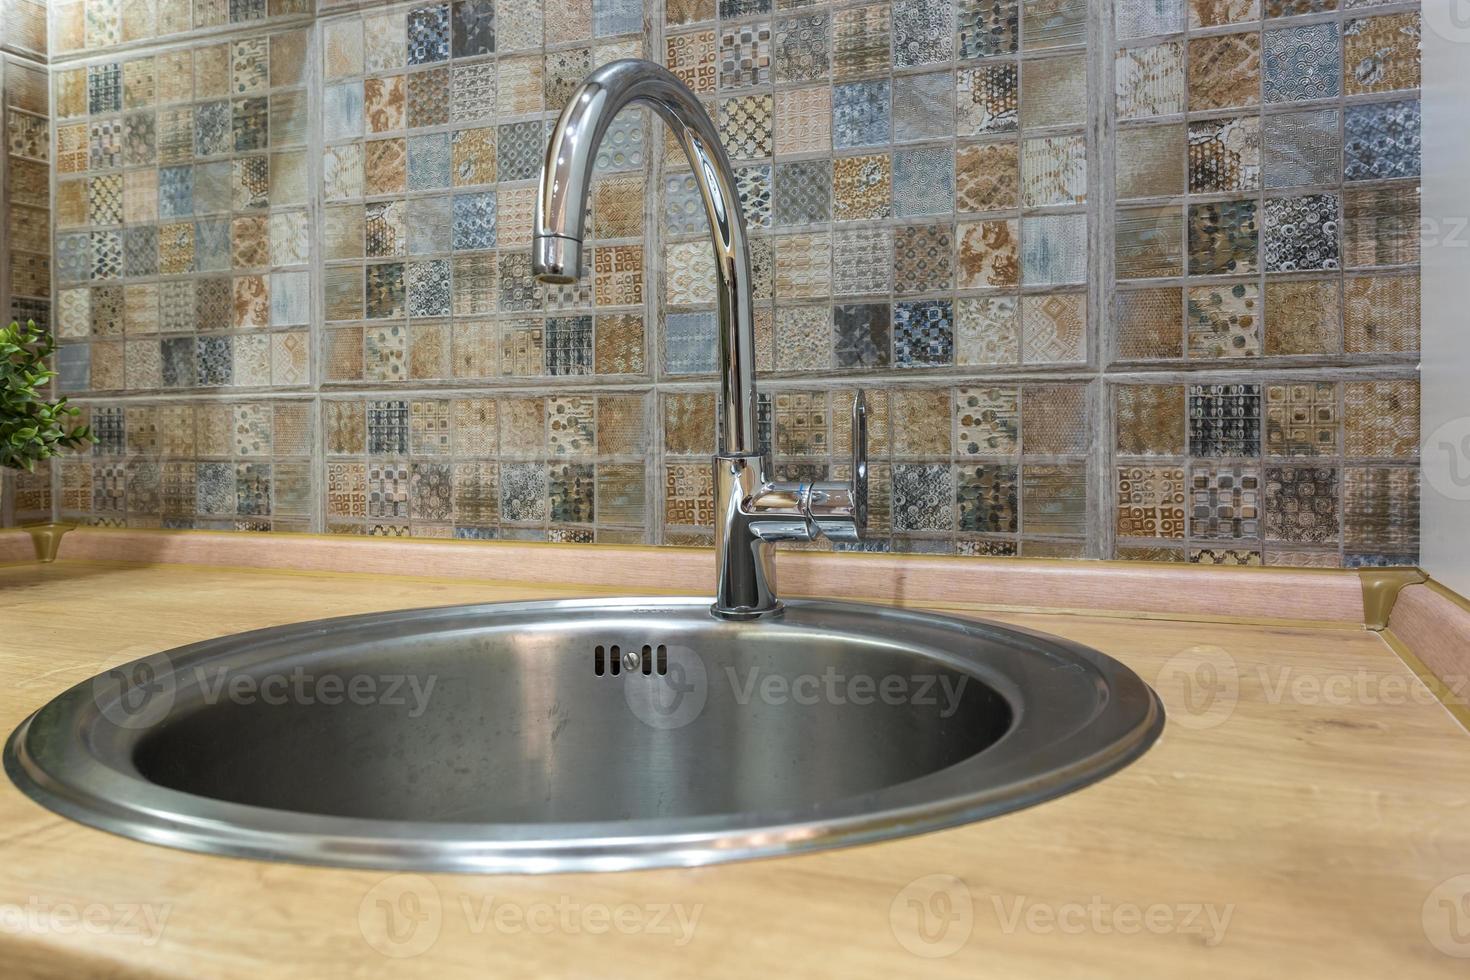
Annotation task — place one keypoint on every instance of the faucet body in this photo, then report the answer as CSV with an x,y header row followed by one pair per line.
x,y
752,513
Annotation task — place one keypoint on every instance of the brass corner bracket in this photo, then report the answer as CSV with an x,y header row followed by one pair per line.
x,y
46,539
1381,587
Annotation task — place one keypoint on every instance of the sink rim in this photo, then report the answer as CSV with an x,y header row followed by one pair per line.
x,y
1024,767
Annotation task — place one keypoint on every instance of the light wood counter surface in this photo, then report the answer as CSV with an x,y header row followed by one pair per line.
x,y
1320,801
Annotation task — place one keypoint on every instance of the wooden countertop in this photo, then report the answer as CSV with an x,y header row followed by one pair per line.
x,y
1313,823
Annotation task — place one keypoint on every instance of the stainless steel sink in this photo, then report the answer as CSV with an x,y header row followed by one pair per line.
x,y
581,735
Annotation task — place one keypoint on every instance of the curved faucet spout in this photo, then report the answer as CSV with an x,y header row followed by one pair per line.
x,y
752,513
561,208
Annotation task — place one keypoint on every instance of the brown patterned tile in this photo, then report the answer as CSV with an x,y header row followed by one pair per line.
x,y
1150,502
1302,419
1224,71
1381,419
1150,419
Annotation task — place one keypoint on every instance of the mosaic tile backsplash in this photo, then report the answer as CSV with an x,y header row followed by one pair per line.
x,y
1135,282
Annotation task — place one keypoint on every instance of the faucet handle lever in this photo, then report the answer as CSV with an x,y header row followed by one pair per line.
x,y
859,473
840,509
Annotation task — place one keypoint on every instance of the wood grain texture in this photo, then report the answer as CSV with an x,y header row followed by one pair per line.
x,y
1437,630
1321,824
1185,591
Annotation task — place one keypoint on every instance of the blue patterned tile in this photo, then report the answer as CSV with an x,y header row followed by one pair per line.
x,y
177,355
175,192
214,361
1302,63
290,298
474,28
429,225
74,367
1054,250
923,181
214,487
140,251
518,149
689,343
428,34
212,245
474,221
622,145
923,333
802,192
74,257
1381,140
428,161
429,292
860,112
923,32
611,17
683,207
212,133
212,186
342,110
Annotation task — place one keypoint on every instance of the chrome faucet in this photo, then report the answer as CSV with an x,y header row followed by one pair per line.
x,y
752,511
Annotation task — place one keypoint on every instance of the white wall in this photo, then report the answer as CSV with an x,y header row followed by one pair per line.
x,y
1445,414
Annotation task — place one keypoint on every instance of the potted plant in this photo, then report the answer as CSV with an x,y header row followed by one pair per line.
x,y
32,427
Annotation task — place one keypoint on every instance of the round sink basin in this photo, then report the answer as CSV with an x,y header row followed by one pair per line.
x,y
582,735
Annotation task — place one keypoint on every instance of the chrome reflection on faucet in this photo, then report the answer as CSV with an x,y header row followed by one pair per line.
x,y
752,511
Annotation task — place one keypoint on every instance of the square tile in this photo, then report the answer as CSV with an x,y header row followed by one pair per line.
x,y
987,99
1302,504
860,113
1225,155
1302,63
923,334
1302,419
1381,141
1225,420
1150,419
1223,238
1224,321
1301,233
1150,502
1224,501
